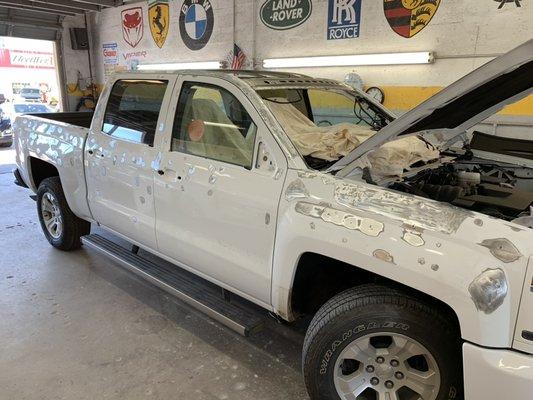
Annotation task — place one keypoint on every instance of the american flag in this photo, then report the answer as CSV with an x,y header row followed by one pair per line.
x,y
239,58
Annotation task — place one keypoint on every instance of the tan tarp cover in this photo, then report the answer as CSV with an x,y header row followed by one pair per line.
x,y
333,142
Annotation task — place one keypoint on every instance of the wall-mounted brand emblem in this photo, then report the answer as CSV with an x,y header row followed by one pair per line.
x,y
159,17
196,23
132,25
504,2
408,17
285,14
344,19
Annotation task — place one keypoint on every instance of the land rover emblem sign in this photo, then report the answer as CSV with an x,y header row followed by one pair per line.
x,y
408,17
196,23
285,14
132,25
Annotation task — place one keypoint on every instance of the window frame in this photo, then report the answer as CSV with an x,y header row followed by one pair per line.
x,y
180,87
169,87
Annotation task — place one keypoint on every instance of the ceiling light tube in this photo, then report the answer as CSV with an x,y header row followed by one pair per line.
x,y
423,57
184,65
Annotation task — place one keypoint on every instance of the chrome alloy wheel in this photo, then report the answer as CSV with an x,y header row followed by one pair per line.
x,y
51,215
386,366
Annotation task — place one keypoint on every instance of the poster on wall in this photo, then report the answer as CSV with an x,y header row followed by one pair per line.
x,y
344,19
132,26
196,23
159,18
110,56
285,14
409,17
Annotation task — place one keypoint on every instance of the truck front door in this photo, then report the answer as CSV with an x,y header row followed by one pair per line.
x,y
121,147
218,188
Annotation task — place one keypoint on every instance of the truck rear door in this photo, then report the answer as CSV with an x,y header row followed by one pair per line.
x,y
123,142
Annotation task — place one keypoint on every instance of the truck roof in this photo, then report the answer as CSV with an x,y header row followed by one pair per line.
x,y
258,79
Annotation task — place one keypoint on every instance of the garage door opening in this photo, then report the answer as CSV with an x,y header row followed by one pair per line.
x,y
29,81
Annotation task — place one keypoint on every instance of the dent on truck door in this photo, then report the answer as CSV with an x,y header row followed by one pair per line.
x,y
216,209
119,153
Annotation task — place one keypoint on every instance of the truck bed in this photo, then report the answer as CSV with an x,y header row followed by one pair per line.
x,y
81,119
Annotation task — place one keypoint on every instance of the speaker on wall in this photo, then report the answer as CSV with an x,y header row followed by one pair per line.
x,y
79,39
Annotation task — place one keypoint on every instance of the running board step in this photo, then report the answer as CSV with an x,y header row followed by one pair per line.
x,y
173,280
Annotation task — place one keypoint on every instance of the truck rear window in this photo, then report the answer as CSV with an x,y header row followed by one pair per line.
x,y
133,109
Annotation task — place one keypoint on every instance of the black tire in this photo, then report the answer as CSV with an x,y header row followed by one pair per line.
x,y
73,227
371,309
8,144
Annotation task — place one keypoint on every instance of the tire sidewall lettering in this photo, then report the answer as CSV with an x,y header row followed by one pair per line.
x,y
370,326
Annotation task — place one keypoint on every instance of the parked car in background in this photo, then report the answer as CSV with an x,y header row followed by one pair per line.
x,y
6,135
2,98
30,94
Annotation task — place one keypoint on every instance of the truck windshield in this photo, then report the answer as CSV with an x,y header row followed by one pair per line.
x,y
325,124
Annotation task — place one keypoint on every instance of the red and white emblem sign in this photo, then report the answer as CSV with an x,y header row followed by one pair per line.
x,y
133,25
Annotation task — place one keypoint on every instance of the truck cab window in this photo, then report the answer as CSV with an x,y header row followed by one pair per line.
x,y
133,110
210,122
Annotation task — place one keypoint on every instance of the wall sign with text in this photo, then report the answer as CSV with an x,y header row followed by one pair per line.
x,y
285,14
344,19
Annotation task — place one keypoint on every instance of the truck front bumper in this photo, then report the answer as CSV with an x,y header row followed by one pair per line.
x,y
497,374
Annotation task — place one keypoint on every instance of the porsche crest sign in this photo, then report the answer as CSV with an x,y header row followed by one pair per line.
x,y
408,17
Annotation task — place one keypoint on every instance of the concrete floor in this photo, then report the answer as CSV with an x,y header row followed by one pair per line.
x,y
76,326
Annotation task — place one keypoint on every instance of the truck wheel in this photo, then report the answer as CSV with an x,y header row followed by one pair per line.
x,y
373,343
60,226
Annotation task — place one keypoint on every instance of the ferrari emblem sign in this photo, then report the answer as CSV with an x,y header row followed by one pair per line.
x,y
408,17
132,25
158,14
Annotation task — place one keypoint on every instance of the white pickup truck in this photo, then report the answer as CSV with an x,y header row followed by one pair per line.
x,y
408,239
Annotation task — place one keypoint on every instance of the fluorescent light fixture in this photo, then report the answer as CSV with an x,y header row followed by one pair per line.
x,y
186,65
423,57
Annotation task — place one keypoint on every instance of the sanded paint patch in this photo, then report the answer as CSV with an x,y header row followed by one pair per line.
x,y
502,248
488,290
331,215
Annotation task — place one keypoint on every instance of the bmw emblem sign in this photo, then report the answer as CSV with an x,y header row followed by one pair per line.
x,y
196,23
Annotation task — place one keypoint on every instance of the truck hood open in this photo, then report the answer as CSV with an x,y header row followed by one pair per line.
x,y
460,106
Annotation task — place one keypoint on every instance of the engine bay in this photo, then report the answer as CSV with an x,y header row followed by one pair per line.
x,y
492,188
